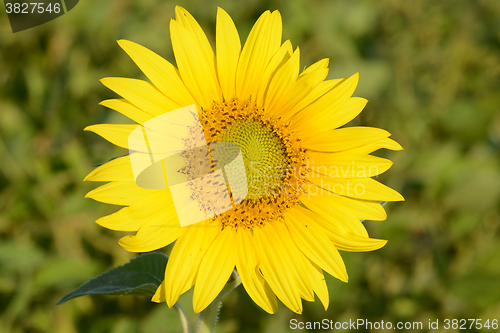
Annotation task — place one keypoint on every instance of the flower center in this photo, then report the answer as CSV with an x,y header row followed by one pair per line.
x,y
264,155
274,161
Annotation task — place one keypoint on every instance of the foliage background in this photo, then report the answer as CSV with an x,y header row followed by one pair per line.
x,y
431,70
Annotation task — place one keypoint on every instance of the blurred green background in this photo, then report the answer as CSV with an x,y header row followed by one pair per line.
x,y
431,71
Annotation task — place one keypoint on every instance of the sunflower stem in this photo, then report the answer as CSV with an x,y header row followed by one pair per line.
x,y
208,318
182,318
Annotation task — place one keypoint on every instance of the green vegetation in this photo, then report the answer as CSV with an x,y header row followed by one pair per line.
x,y
431,71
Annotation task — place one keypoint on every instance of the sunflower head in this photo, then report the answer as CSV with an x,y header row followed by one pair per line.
x,y
247,166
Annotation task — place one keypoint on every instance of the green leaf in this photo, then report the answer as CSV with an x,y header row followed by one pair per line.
x,y
141,276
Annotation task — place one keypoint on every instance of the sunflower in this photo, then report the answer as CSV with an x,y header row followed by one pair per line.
x,y
308,181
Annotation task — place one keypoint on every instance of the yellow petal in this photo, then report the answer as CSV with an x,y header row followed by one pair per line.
x,y
345,138
228,48
203,50
159,231
185,258
318,282
184,18
341,238
279,58
118,169
386,143
322,64
160,295
196,68
156,205
316,246
161,72
277,267
345,165
247,261
127,109
119,193
325,205
142,94
347,112
116,134
338,117
363,188
215,269
282,81
298,261
305,84
319,91
362,209
323,111
262,43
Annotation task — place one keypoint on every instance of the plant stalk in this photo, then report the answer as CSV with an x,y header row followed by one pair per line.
x,y
182,318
